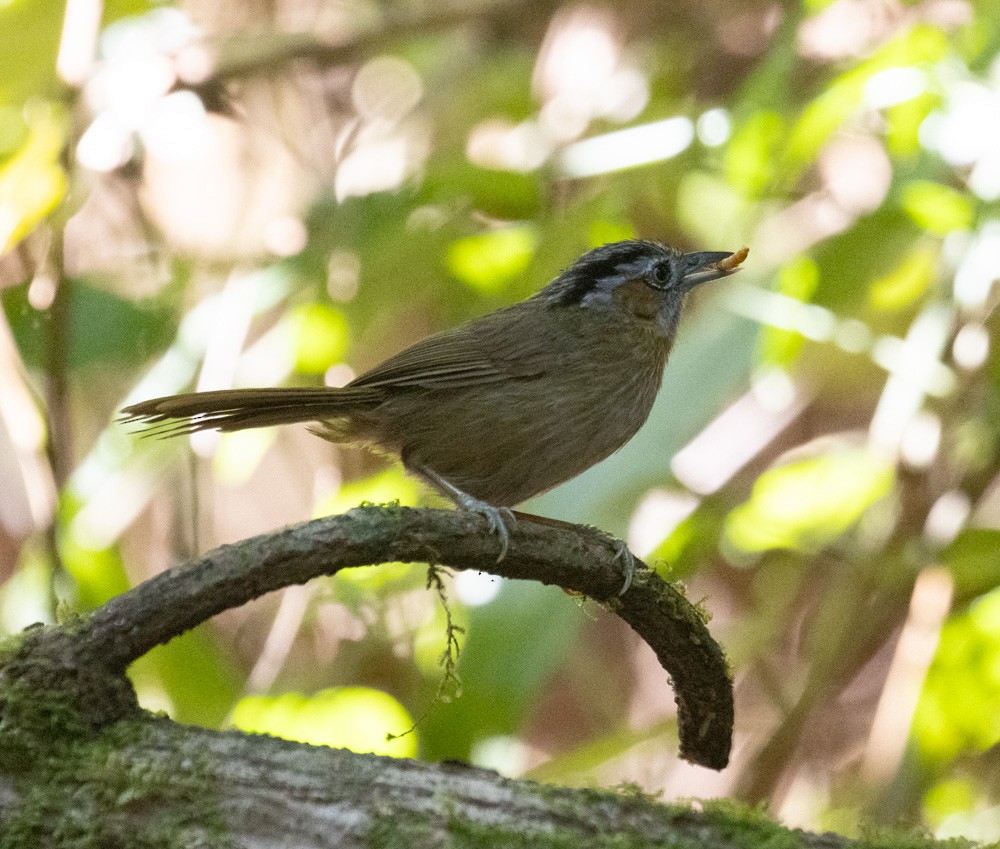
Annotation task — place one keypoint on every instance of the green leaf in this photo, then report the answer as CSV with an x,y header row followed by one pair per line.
x,y
844,96
959,709
489,261
807,504
601,231
28,48
507,195
190,677
355,718
321,336
708,206
903,122
938,209
974,561
32,181
869,250
798,279
907,283
104,328
751,161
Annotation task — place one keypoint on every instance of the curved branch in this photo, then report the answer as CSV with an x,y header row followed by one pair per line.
x,y
131,624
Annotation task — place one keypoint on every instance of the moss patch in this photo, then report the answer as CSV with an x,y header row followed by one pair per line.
x,y
72,740
101,792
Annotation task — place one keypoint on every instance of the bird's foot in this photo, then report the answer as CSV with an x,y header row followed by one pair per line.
x,y
628,563
501,519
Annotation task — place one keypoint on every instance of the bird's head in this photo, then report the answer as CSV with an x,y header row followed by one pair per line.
x,y
643,280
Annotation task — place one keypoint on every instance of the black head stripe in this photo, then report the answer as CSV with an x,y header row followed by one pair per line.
x,y
575,282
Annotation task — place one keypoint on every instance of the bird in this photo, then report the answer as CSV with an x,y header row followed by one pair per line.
x,y
508,405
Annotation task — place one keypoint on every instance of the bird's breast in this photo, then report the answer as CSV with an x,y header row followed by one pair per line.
x,y
506,441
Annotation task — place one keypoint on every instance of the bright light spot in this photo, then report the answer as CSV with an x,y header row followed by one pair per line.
x,y
503,146
25,593
774,389
981,825
506,755
194,64
969,127
42,291
238,455
894,85
355,718
808,503
204,443
796,228
376,166
105,145
10,218
947,517
627,148
580,75
978,269
985,177
842,29
338,375
853,336
285,235
921,440
476,588
857,173
564,119
623,96
163,30
129,88
177,128
714,127
971,346
817,322
578,55
737,435
890,730
96,526
656,517
79,40
915,370
775,309
387,88
955,245
490,261
343,275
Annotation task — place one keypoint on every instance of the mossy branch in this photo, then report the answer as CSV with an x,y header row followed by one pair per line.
x,y
130,625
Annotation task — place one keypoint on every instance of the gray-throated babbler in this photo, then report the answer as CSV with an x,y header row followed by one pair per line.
x,y
509,405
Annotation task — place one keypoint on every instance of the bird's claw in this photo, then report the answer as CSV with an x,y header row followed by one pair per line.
x,y
628,563
500,519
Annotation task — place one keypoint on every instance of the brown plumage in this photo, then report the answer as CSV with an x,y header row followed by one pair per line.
x,y
506,406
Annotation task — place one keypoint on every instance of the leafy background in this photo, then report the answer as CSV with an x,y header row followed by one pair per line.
x,y
218,193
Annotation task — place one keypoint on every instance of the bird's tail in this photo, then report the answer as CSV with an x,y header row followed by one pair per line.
x,y
239,409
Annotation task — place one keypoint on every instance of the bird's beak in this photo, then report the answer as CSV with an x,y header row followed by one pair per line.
x,y
710,265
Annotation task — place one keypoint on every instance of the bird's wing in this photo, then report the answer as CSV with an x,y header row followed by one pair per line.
x,y
503,345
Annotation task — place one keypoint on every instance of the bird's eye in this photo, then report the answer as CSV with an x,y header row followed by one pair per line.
x,y
661,275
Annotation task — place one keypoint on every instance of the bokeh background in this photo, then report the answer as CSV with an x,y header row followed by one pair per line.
x,y
220,193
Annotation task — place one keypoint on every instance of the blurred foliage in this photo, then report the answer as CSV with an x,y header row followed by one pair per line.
x,y
292,198
356,717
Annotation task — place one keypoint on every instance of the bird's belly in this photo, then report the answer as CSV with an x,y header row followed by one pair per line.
x,y
506,445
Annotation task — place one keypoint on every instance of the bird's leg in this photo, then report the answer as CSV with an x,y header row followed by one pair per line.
x,y
498,517
620,548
